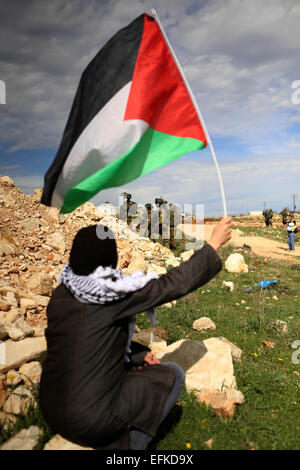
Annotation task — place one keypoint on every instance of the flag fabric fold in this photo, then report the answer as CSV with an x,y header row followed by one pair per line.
x,y
132,114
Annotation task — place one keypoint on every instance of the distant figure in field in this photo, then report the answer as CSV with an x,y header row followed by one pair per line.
x,y
284,214
292,230
268,214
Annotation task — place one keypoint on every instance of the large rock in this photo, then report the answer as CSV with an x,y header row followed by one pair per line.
x,y
3,393
223,403
7,181
137,263
204,323
59,443
31,373
236,352
186,255
158,346
40,283
154,268
19,401
207,364
27,439
56,241
235,263
7,420
20,352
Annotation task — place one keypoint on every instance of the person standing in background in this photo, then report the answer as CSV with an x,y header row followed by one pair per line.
x,y
291,229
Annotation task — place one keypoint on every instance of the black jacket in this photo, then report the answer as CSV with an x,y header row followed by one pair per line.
x,y
87,394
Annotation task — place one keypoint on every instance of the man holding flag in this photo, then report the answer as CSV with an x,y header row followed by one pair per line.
x,y
132,114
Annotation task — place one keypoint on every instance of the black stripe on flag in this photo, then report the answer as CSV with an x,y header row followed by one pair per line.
x,y
105,75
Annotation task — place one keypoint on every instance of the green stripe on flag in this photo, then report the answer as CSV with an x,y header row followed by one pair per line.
x,y
154,150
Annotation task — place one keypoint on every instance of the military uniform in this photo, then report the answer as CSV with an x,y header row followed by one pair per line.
x,y
268,214
284,213
127,212
167,222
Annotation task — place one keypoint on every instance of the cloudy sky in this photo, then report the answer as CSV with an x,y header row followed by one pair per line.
x,y
241,58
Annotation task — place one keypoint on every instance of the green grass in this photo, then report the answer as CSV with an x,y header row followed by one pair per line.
x,y
270,416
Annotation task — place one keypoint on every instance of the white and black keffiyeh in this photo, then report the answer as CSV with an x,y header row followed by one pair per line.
x,y
106,284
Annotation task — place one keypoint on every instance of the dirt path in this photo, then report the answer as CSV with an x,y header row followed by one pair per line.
x,y
260,245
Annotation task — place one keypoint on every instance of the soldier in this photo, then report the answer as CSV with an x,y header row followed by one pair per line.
x,y
127,208
284,214
268,214
160,204
167,222
149,213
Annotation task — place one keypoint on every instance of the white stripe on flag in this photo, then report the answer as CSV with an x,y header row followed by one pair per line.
x,y
106,138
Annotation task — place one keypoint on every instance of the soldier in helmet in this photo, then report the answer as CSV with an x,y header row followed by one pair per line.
x,y
268,214
161,205
128,208
284,214
149,213
174,217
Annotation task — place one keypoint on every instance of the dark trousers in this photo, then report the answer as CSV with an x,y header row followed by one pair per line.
x,y
140,440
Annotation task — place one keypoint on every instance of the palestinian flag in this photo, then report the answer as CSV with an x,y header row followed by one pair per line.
x,y
132,114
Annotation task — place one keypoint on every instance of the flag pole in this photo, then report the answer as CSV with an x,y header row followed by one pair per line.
x,y
155,15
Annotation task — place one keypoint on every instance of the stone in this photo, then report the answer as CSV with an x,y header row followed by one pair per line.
x,y
20,352
235,263
228,284
207,364
59,443
124,258
29,225
56,241
41,300
40,283
143,337
16,334
28,303
3,394
280,326
209,443
154,268
19,401
24,326
27,439
31,373
204,323
4,307
7,181
53,213
3,332
14,314
223,402
236,352
11,299
173,262
13,378
186,255
7,420
137,263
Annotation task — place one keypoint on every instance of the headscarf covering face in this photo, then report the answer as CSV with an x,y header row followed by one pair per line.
x,y
93,246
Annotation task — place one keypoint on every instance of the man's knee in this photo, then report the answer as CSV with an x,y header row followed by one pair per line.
x,y
179,373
